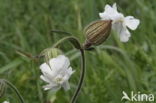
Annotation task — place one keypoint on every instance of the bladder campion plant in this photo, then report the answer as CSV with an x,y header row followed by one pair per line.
x,y
56,69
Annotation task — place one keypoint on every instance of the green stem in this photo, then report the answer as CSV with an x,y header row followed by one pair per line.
x,y
72,39
81,77
77,45
16,91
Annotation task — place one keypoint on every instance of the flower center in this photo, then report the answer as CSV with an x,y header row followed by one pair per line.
x,y
119,20
58,80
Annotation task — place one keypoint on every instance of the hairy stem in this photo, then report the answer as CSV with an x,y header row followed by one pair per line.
x,y
16,91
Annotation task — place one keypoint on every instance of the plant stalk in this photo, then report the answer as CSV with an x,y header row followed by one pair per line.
x,y
77,45
16,91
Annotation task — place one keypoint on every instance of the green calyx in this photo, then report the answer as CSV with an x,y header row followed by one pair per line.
x,y
49,53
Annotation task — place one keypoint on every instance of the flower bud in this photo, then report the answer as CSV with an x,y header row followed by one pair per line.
x,y
50,53
2,87
97,32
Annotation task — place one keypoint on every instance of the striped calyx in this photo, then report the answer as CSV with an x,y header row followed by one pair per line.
x,y
50,53
97,32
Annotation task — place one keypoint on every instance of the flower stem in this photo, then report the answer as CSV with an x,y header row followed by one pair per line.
x,y
81,77
77,45
72,39
16,91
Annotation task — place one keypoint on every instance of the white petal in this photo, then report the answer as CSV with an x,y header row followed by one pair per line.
x,y
124,35
131,22
55,63
44,78
104,16
50,77
66,86
45,68
66,62
53,87
6,102
111,13
67,74
70,71
108,7
122,31
117,27
59,62
114,6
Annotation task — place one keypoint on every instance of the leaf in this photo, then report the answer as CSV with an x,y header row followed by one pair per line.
x,y
11,65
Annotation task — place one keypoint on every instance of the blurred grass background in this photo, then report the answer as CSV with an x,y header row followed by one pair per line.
x,y
112,68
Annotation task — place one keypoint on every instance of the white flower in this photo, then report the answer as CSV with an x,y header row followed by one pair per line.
x,y
119,22
6,102
56,73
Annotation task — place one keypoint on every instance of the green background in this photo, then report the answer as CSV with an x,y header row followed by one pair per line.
x,y
112,67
